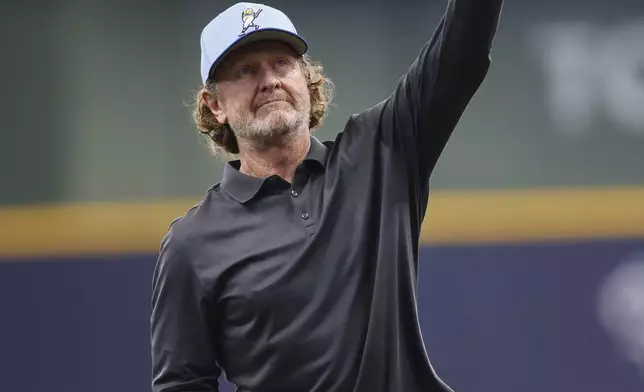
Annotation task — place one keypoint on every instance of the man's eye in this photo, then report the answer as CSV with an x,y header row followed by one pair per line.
x,y
283,62
244,70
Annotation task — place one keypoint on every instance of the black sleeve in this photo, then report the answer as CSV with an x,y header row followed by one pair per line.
x,y
183,357
421,114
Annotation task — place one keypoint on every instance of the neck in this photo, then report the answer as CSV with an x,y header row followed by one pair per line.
x,y
279,157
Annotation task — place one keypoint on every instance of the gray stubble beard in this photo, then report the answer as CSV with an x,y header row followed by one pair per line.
x,y
255,131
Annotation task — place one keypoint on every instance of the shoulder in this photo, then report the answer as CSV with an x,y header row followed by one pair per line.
x,y
369,122
360,127
185,229
181,241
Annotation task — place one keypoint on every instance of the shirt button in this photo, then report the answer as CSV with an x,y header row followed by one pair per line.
x,y
305,215
294,192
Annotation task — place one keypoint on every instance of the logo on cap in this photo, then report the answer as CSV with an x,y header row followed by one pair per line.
x,y
248,19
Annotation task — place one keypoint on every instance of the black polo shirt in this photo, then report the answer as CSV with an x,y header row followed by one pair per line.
x,y
311,286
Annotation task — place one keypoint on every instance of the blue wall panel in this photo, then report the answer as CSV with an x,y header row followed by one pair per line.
x,y
495,319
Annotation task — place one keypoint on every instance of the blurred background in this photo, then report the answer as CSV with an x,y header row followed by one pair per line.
x,y
532,266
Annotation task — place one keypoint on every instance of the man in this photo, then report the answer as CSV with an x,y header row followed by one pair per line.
x,y
297,272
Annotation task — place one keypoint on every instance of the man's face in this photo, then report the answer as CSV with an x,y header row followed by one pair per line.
x,y
262,92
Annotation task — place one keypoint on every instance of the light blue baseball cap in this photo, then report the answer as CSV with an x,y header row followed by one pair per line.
x,y
241,24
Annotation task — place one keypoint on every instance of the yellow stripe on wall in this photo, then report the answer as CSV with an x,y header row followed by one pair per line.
x,y
452,218
534,215
93,228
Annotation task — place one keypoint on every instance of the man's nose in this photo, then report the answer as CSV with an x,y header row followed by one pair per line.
x,y
269,80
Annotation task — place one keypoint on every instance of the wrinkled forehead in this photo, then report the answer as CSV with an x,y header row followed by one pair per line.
x,y
253,52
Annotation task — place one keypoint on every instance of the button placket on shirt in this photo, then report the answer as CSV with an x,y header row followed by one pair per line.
x,y
299,181
304,214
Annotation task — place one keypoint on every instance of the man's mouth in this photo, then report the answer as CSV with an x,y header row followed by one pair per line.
x,y
267,103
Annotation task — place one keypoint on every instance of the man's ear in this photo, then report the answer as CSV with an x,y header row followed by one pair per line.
x,y
215,107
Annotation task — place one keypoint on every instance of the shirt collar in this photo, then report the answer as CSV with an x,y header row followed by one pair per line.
x,y
243,188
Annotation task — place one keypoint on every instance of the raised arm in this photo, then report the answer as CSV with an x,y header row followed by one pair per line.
x,y
183,358
430,98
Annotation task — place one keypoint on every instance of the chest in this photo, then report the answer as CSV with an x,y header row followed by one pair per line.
x,y
301,249
294,251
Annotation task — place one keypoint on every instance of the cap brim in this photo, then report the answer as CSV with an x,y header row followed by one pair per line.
x,y
297,43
